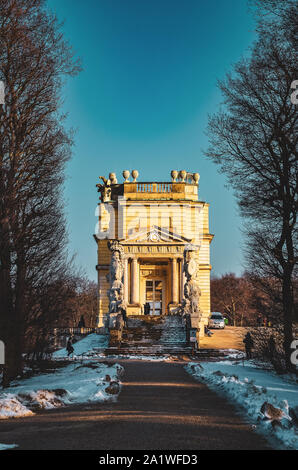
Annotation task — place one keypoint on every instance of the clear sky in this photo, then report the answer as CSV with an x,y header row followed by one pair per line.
x,y
142,102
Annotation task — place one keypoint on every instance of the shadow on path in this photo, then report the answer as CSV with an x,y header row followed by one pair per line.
x,y
160,407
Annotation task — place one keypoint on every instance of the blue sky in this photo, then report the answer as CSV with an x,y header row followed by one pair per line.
x,y
149,81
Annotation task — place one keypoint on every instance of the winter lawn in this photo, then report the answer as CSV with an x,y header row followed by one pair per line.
x,y
249,386
91,345
7,446
79,382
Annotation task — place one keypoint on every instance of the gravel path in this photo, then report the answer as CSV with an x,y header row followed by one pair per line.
x,y
160,407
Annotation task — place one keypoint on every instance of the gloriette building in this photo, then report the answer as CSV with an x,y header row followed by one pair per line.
x,y
153,245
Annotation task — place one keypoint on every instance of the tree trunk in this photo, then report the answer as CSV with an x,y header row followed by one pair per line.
x,y
20,302
14,332
6,302
288,303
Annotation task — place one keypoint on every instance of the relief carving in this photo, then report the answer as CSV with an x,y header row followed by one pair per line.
x,y
154,249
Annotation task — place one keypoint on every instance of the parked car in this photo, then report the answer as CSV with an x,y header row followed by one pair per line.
x,y
216,320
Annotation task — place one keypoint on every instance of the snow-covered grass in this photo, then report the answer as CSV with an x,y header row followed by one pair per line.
x,y
73,384
7,446
92,345
88,346
140,357
233,354
249,387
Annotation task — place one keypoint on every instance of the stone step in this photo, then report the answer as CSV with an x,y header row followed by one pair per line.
x,y
165,338
163,334
157,351
147,351
153,344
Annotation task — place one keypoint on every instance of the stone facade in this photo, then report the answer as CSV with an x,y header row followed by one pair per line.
x,y
153,247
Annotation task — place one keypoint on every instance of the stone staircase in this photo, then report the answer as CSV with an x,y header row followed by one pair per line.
x,y
149,335
159,336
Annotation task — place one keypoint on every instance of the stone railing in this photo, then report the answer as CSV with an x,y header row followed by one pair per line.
x,y
162,187
73,331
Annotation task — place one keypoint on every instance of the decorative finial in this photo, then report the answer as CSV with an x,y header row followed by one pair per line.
x,y
196,178
174,175
126,175
135,175
182,175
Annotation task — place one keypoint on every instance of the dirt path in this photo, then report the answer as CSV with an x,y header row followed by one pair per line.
x,y
230,337
160,407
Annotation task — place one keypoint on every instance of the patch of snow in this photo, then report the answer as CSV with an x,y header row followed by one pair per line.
x,y
250,387
140,357
8,446
87,346
11,406
73,384
234,354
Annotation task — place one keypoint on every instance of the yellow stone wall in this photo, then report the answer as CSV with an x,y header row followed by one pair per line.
x,y
179,212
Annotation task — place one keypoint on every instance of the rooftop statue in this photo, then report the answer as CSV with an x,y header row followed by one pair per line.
x,y
104,189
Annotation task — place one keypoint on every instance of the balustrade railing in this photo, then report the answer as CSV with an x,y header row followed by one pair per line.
x,y
154,187
74,331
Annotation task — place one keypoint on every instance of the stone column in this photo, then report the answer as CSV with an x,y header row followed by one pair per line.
x,y
135,281
125,280
174,281
182,280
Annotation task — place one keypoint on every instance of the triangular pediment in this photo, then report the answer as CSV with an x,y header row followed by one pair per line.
x,y
156,235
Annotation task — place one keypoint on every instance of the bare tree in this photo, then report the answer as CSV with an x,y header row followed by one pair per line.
x,y
34,147
254,140
232,296
85,302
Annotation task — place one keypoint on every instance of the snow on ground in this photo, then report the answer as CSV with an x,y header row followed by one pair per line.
x,y
86,346
249,386
7,446
91,346
73,384
140,357
233,353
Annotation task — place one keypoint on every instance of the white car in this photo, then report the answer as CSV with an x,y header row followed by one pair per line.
x,y
216,320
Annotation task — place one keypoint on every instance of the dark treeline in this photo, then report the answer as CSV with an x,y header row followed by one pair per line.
x,y
61,304
34,147
253,139
249,301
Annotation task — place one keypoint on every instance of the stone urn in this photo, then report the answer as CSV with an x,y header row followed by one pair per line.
x,y
126,175
174,175
196,178
182,175
135,175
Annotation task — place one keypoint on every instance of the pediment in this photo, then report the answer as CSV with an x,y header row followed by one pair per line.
x,y
156,235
